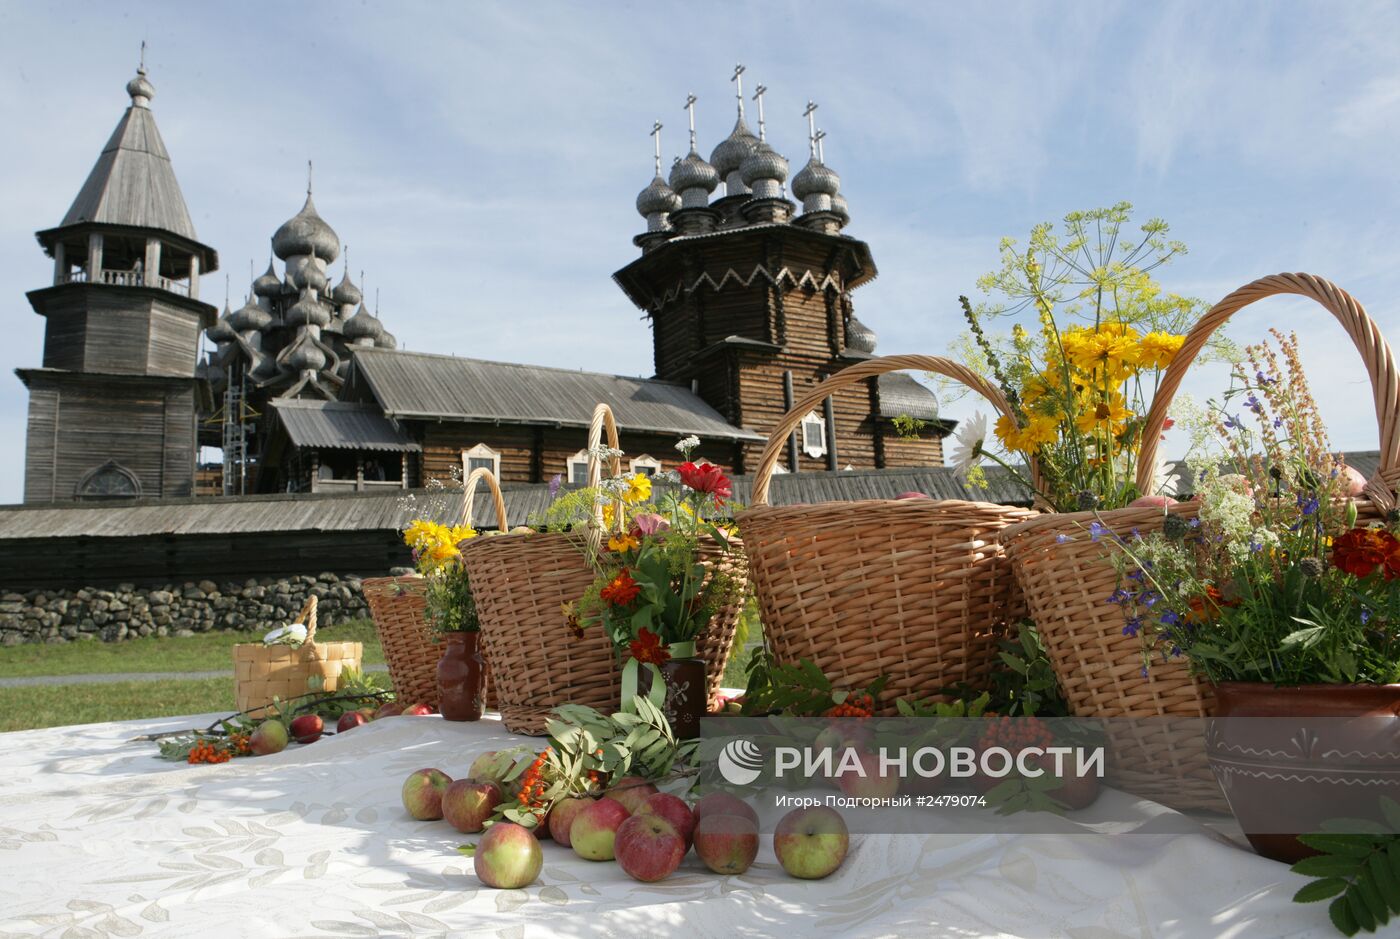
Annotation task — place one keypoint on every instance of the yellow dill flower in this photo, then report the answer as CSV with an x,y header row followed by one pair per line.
x,y
1157,349
638,489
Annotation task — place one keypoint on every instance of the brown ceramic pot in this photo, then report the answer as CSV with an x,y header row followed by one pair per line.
x,y
1308,754
461,677
686,695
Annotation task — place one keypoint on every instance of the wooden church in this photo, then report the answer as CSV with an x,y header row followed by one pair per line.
x,y
746,279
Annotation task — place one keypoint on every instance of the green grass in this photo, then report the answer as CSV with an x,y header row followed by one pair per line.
x,y
36,706
202,652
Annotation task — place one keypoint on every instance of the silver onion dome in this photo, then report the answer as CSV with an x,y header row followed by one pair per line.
x,y
363,325
839,209
304,271
657,197
694,180
764,171
308,311
815,179
221,331
345,292
730,154
386,340
306,233
250,316
140,89
859,337
306,356
269,284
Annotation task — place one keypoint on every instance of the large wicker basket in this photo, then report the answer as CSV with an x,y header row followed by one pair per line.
x,y
398,606
521,583
1067,576
914,589
263,673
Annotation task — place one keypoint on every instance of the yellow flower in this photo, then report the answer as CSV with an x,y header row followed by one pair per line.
x,y
459,533
609,513
1109,349
1157,349
442,552
419,533
1112,411
1041,431
623,541
638,489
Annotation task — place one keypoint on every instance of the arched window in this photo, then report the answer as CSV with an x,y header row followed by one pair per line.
x,y
646,465
111,480
578,469
813,434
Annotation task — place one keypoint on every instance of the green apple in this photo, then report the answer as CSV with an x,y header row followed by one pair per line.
x,y
811,843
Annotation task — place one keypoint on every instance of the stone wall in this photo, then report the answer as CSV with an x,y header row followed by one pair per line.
x,y
174,609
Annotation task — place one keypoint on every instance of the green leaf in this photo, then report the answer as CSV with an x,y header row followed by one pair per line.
x,y
1327,865
1305,638
1384,879
1392,853
1016,662
467,849
1320,890
1360,911
1391,810
1375,903
1339,910
1358,846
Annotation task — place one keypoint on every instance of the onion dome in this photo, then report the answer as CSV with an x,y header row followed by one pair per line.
x,y
306,233
363,325
221,331
859,337
303,270
386,340
657,198
694,180
250,316
764,171
140,89
306,356
815,184
345,292
731,153
269,284
838,208
308,311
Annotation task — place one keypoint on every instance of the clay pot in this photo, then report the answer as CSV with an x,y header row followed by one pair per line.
x,y
461,677
1291,759
686,694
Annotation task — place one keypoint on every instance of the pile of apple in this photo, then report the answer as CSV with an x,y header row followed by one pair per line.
x,y
647,832
273,734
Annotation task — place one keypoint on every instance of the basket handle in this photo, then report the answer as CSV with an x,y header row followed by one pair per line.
x,y
308,616
859,372
602,421
469,496
1365,335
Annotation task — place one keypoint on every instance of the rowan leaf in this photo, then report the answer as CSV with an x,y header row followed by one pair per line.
x,y
1320,890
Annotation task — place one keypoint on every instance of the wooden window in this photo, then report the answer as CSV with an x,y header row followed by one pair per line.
x,y
109,481
646,465
813,435
578,469
482,457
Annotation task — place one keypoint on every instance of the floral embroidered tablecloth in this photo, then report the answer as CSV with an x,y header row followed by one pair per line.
x,y
98,837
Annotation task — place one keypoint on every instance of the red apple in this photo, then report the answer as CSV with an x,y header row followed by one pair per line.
x,y
422,793
269,737
417,710
869,782
674,810
508,857
631,791
1353,481
648,847
811,843
388,709
595,828
722,803
727,844
468,803
307,728
349,721
562,815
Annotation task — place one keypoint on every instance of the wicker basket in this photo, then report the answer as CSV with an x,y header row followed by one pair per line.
x,y
914,589
263,673
1066,582
521,582
398,606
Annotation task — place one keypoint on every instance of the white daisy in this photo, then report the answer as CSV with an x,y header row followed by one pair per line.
x,y
969,439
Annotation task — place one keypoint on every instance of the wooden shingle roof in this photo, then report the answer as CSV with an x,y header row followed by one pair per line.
x,y
340,425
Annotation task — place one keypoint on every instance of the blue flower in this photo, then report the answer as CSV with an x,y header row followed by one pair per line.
x,y
1308,504
1263,379
1170,619
1063,539
555,483
1365,616
1096,531
1131,629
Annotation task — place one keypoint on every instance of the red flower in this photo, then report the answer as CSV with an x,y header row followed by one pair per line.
x,y
647,647
706,477
1360,551
621,591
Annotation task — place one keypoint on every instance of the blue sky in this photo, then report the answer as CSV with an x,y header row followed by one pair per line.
x,y
480,160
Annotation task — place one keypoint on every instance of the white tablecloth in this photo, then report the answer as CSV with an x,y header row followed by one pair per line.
x,y
100,838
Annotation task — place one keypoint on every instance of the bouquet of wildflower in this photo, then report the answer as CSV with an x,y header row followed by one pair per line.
x,y
1273,581
1079,380
652,592
437,555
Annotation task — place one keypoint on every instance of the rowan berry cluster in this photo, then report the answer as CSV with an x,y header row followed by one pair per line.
x,y
206,751
532,784
856,705
1016,733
